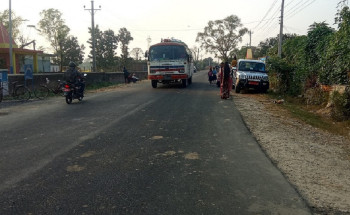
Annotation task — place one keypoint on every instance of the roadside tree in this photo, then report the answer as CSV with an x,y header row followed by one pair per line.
x,y
53,27
72,51
317,42
137,53
336,64
264,46
105,49
124,38
196,52
221,37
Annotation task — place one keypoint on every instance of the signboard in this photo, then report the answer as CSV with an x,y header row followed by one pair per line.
x,y
4,81
28,71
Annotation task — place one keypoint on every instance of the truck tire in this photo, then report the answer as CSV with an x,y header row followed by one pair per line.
x,y
190,80
184,83
154,83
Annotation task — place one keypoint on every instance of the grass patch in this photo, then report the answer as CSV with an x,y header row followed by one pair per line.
x,y
305,115
308,114
100,85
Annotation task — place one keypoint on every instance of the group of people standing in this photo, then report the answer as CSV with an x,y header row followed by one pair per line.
x,y
224,79
212,74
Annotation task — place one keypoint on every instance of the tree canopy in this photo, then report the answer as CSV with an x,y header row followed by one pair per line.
x,y
65,46
137,53
222,36
53,27
125,38
72,51
105,49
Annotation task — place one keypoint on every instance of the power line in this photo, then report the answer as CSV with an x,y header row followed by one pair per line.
x,y
268,11
272,17
298,10
296,5
288,4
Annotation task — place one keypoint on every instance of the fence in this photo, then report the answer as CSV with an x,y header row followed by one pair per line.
x,y
91,78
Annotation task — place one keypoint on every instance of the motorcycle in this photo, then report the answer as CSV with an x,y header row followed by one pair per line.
x,y
73,91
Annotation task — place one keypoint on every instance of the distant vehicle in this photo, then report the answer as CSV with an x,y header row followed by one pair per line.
x,y
250,74
170,61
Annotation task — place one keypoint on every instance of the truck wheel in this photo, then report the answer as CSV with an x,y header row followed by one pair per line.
x,y
154,83
190,80
184,83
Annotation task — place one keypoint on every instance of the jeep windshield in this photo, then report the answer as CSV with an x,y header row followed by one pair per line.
x,y
251,66
167,52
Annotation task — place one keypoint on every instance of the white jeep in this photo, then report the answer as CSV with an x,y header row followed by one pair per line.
x,y
250,74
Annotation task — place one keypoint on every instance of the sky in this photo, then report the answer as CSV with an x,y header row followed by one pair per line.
x,y
181,19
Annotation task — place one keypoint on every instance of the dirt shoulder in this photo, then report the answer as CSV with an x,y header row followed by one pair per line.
x,y
316,162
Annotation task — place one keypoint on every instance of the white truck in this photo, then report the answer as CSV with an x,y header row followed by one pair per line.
x,y
170,61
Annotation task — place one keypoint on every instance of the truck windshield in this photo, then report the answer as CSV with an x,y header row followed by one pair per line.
x,y
251,66
165,52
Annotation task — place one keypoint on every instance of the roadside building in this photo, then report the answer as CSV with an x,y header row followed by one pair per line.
x,y
19,55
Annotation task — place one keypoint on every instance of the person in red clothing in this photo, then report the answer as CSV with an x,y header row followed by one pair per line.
x,y
226,81
210,75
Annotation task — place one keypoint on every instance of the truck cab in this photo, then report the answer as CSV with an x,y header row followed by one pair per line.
x,y
170,61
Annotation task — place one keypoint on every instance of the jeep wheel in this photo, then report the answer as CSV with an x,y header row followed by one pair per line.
x,y
238,89
263,90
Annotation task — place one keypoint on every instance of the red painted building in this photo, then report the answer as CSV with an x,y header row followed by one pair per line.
x,y
17,53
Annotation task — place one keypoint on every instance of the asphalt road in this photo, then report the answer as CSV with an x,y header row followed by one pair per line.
x,y
137,150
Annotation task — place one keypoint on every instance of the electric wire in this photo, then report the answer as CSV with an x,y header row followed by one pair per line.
x,y
269,28
296,11
271,18
267,12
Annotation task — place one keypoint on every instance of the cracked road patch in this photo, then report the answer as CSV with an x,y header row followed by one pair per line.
x,y
156,137
192,156
75,168
88,154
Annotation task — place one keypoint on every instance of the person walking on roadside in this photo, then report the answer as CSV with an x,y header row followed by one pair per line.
x,y
210,75
126,75
214,74
218,81
226,81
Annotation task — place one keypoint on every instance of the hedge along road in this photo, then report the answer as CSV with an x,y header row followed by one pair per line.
x,y
138,150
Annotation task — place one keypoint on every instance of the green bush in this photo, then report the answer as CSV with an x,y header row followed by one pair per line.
x,y
341,105
315,96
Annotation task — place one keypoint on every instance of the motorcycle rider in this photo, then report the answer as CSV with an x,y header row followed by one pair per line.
x,y
73,76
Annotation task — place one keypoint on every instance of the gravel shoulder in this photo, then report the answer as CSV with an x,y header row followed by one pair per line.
x,y
315,162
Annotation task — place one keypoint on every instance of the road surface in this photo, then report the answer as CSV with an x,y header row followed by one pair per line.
x,y
138,150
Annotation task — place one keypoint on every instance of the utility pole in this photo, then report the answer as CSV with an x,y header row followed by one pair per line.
x,y
149,40
250,38
281,31
92,11
10,37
